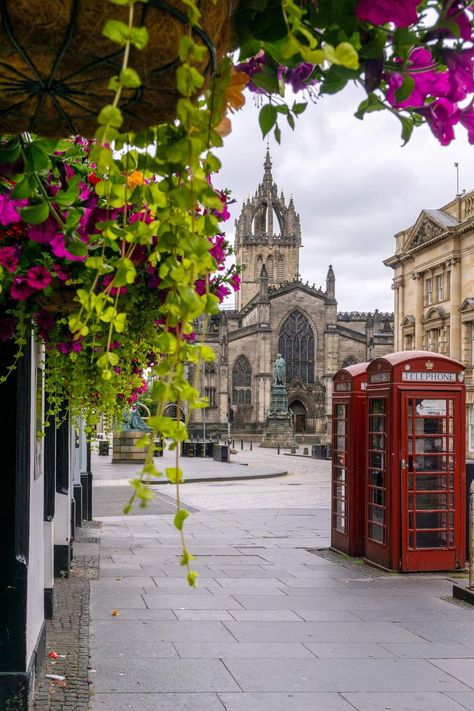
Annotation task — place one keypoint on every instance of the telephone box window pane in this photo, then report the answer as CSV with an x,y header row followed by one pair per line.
x,y
340,459
340,491
433,519
377,441
431,539
340,474
377,406
377,424
430,463
377,496
431,501
376,478
376,514
451,539
341,444
430,425
340,427
429,445
340,507
376,460
426,482
376,533
340,411
411,540
341,524
410,482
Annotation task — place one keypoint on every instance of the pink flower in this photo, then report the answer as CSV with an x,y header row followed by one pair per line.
x,y
461,19
9,258
401,12
63,347
441,116
200,287
38,277
234,281
61,273
221,291
466,118
19,289
59,249
9,209
427,81
461,72
45,232
7,326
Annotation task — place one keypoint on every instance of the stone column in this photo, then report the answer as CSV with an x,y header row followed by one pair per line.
x,y
419,311
454,314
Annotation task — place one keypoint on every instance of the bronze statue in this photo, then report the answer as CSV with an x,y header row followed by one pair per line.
x,y
280,370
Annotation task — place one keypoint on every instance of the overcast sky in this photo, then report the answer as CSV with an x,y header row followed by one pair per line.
x,y
353,185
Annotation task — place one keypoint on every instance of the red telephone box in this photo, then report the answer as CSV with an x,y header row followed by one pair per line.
x,y
415,488
349,435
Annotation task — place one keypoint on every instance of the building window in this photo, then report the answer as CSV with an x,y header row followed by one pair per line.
x,y
241,382
296,344
429,291
280,269
408,342
470,427
433,340
270,268
439,287
210,393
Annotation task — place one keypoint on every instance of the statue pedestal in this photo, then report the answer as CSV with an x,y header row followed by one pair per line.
x,y
125,449
278,429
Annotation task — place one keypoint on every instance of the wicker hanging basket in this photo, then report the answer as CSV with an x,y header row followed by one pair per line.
x,y
61,299
55,64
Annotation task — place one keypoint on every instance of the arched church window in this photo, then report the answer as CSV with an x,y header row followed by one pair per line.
x,y
280,268
270,267
350,360
258,267
296,344
242,382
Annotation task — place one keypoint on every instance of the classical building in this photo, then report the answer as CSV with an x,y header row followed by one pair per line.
x,y
434,288
277,313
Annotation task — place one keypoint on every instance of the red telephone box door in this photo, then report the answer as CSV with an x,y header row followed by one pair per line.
x,y
430,481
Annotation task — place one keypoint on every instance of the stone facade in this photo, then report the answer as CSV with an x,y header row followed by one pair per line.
x,y
434,288
277,313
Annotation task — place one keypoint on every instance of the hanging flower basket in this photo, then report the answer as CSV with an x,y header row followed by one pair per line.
x,y
55,64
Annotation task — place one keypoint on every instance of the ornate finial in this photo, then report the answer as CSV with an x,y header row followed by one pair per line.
x,y
267,175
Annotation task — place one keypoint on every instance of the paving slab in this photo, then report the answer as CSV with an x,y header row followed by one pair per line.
x,y
156,702
243,650
412,701
465,698
285,702
170,675
345,675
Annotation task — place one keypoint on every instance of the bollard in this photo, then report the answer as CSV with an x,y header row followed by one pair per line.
x,y
250,445
233,444
278,449
241,444
471,536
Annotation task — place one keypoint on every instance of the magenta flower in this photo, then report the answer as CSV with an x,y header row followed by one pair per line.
x,y
9,209
221,291
200,287
45,232
461,73
63,347
466,118
428,82
457,15
401,12
59,249
20,290
299,77
61,273
38,277
44,320
234,281
441,116
7,326
9,258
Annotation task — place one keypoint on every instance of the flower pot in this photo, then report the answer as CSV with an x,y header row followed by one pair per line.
x,y
60,300
55,64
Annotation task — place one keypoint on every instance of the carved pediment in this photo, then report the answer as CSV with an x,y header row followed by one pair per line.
x,y
423,232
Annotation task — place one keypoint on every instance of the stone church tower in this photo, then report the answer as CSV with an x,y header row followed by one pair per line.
x,y
267,233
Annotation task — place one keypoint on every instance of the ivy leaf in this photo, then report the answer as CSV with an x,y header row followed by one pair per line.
x,y
36,159
24,188
116,31
139,37
267,118
35,214
110,116
129,78
180,518
405,90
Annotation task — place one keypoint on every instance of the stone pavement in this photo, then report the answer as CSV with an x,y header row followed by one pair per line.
x,y
275,625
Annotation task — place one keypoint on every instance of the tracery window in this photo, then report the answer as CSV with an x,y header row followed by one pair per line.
x,y
242,382
296,344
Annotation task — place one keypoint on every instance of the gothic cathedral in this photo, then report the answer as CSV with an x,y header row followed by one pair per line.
x,y
277,313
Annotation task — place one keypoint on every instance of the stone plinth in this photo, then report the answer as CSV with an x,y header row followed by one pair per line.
x,y
279,429
125,449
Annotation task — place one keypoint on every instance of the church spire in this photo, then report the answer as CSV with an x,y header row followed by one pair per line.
x,y
267,175
330,283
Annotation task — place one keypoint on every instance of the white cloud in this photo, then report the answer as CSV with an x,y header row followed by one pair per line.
x,y
353,185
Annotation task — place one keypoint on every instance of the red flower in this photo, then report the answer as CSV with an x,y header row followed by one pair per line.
x,y
9,258
38,277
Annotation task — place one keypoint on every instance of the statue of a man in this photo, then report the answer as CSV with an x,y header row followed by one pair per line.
x,y
280,370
